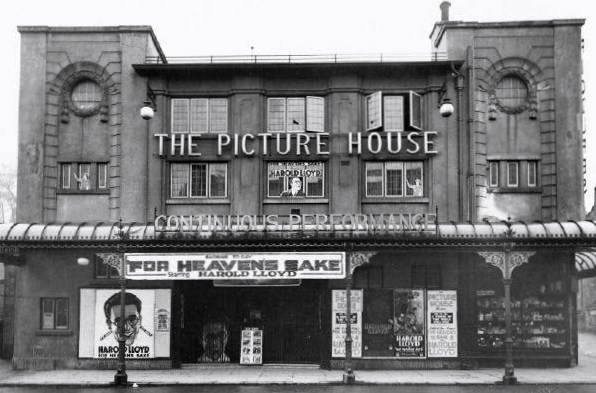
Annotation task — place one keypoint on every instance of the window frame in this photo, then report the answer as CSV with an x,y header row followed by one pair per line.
x,y
376,108
493,173
532,168
68,184
403,166
55,313
312,114
305,183
209,115
189,180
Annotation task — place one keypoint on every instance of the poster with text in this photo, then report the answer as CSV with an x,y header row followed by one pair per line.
x,y
408,323
339,322
442,324
146,323
251,346
377,326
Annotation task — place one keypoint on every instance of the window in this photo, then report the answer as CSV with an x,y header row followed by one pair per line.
x,y
54,314
493,176
388,112
83,176
532,173
512,174
512,92
296,179
86,95
103,270
199,115
207,180
296,114
394,179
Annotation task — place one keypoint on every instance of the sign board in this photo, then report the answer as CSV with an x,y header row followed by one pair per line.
x,y
240,266
339,322
442,324
251,346
147,323
408,323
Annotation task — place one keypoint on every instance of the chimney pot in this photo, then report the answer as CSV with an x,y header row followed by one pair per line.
x,y
445,11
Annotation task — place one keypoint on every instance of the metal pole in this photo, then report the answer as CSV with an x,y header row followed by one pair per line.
x,y
121,378
509,377
349,377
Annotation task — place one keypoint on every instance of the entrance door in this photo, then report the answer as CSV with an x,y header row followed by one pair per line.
x,y
213,317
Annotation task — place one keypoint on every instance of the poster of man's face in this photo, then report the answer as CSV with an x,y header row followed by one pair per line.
x,y
138,322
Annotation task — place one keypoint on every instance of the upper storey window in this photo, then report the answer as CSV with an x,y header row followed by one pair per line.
x,y
86,95
83,176
199,115
393,112
296,114
512,92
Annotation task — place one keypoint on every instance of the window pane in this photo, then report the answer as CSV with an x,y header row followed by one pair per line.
x,y
84,177
414,179
198,115
394,113
532,169
512,174
61,313
494,174
198,180
47,313
180,111
218,115
511,91
179,180
296,114
374,179
66,175
86,95
102,175
394,176
314,176
373,111
218,180
276,117
415,110
315,116
275,179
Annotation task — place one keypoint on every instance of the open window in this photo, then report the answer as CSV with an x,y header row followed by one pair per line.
x,y
393,112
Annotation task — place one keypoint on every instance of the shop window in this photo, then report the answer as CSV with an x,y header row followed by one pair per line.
x,y
394,179
204,180
199,115
428,277
296,114
83,176
296,179
389,112
103,270
368,277
54,314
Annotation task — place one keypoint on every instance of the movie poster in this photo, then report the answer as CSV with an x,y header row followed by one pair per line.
x,y
442,324
408,323
339,322
377,326
146,323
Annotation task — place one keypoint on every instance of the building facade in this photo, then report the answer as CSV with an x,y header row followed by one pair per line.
x,y
255,195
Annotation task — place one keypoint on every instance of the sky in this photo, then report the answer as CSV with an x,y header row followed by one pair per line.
x,y
281,27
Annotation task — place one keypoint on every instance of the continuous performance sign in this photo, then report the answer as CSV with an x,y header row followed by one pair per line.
x,y
240,266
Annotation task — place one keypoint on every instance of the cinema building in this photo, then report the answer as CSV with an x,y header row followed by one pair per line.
x,y
254,192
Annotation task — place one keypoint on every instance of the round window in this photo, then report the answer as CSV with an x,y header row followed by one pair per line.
x,y
86,96
512,93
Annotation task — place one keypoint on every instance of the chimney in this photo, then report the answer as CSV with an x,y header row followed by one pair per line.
x,y
445,11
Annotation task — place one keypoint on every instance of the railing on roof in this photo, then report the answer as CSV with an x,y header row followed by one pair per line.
x,y
301,59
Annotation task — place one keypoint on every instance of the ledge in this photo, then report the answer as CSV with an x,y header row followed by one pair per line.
x,y
66,332
396,200
197,201
295,201
515,190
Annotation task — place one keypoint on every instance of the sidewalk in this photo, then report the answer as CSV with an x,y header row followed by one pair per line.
x,y
584,373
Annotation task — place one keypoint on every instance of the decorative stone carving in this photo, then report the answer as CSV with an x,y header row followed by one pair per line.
x,y
66,104
359,259
114,260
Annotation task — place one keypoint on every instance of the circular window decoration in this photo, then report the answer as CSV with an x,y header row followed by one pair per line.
x,y
512,94
86,96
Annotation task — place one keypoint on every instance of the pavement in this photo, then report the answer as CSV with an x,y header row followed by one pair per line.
x,y
584,373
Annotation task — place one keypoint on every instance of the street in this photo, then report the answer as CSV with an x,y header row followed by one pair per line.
x,y
317,389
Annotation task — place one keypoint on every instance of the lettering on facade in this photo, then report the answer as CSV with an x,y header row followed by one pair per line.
x,y
299,144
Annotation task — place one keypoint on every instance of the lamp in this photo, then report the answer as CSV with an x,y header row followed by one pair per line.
x,y
82,261
147,111
445,106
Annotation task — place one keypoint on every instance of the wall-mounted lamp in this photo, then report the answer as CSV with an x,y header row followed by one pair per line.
x,y
82,261
445,106
147,111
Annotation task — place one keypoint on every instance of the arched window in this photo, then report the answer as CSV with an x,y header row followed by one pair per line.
x,y
512,92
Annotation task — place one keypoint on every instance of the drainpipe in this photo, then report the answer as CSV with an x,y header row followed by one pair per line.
x,y
459,86
471,183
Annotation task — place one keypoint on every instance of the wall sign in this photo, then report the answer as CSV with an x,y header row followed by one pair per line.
x,y
251,346
442,324
100,316
299,265
339,321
